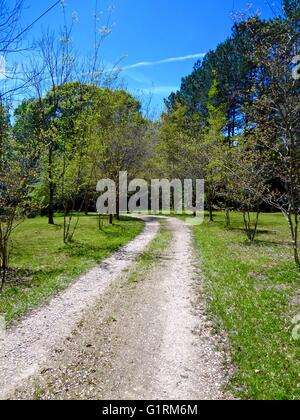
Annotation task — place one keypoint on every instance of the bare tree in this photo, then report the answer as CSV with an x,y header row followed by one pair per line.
x,y
10,31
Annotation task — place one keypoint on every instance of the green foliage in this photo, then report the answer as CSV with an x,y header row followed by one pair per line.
x,y
81,133
115,131
228,68
247,103
292,9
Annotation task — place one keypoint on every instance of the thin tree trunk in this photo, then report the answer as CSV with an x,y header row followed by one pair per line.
x,y
296,254
296,250
110,219
100,222
210,210
251,232
227,218
66,226
4,264
51,188
246,223
294,233
51,204
3,279
255,226
118,208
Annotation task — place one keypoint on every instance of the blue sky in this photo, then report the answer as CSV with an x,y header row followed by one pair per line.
x,y
150,35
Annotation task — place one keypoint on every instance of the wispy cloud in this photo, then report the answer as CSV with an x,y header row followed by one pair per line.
x,y
164,61
159,90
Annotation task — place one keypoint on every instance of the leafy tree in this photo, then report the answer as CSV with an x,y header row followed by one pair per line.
x,y
16,172
229,66
292,10
180,133
275,114
49,124
212,149
116,133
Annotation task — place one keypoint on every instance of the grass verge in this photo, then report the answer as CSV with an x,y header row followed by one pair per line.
x,y
252,291
43,266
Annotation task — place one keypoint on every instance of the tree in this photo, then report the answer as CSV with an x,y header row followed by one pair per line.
x,y
54,66
246,186
56,131
275,113
16,171
213,148
292,10
180,133
229,66
116,132
73,161
9,27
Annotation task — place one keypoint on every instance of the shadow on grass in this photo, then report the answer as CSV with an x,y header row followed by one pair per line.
x,y
259,232
96,252
19,280
274,243
264,244
17,276
80,249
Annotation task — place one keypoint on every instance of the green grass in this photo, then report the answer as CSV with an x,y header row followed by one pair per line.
x,y
251,290
44,266
151,256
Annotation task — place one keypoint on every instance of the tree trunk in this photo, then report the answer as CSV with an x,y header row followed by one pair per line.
x,y
210,211
4,264
294,233
296,255
100,222
110,219
86,204
296,250
51,189
227,218
118,208
250,231
51,204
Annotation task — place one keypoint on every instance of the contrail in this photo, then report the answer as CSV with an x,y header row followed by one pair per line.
x,y
165,61
2,67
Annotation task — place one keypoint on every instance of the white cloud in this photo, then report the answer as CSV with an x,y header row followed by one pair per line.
x,y
164,61
138,77
160,90
2,67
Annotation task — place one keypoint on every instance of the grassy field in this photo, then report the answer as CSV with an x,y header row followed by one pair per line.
x,y
253,291
42,265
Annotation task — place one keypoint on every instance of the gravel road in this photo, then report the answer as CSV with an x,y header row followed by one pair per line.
x,y
105,339
28,345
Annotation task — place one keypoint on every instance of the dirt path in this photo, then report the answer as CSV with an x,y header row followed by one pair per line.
x,y
151,341
33,340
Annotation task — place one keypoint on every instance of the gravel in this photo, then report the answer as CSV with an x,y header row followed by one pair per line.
x,y
149,341
28,345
